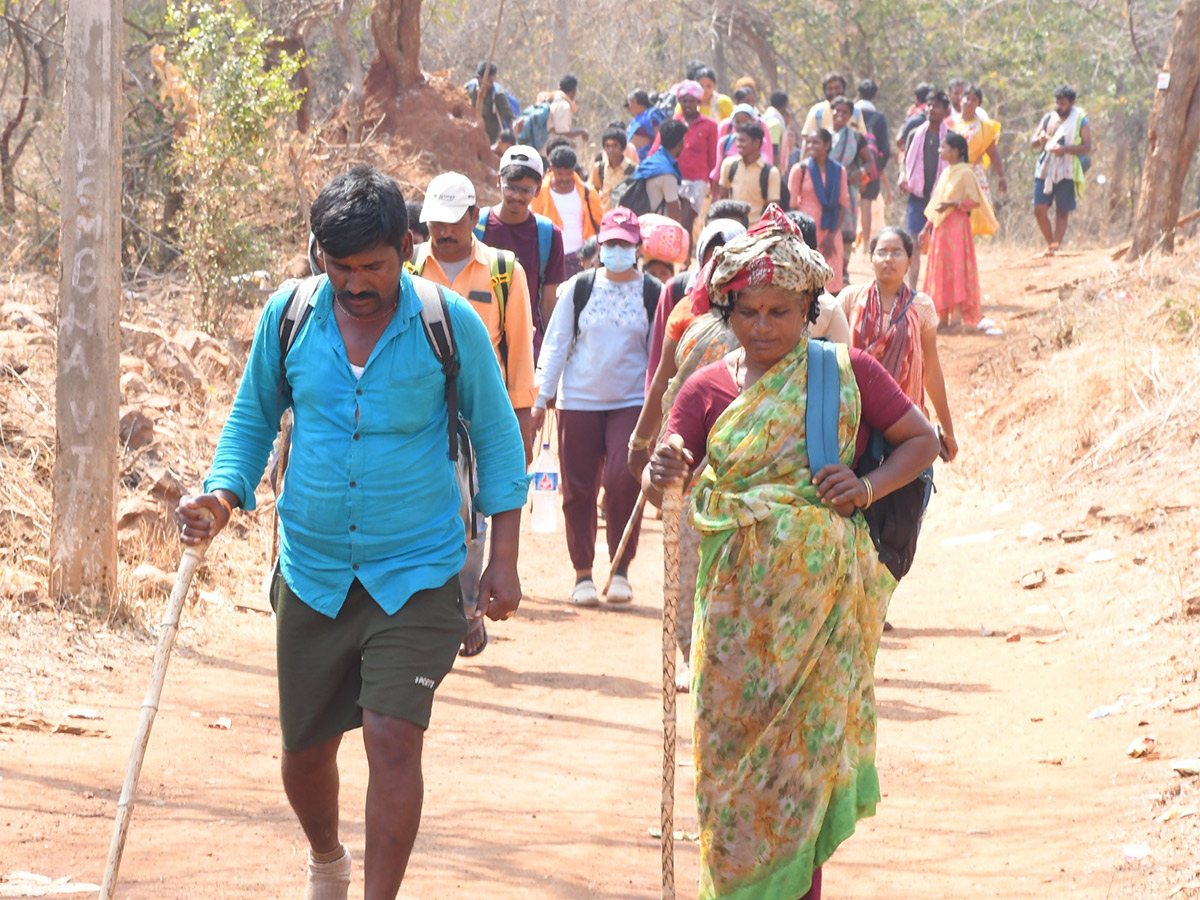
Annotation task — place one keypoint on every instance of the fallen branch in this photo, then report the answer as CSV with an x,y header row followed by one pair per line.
x,y
1120,250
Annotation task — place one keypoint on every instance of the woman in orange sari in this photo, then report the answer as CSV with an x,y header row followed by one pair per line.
x,y
956,210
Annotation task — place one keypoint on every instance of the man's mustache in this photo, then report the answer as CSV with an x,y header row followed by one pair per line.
x,y
365,295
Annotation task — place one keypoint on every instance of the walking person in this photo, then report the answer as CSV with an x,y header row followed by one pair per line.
x,y
898,326
817,186
847,150
749,177
594,358
956,211
1065,139
791,593
643,124
494,283
922,166
699,155
567,201
536,241
369,617
981,134
877,127
495,110
612,167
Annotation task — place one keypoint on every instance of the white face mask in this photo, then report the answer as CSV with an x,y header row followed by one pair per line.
x,y
618,259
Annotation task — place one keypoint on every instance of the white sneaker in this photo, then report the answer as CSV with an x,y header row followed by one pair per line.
x,y
619,591
330,880
585,594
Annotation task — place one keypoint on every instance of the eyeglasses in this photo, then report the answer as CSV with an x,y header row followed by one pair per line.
x,y
520,190
890,254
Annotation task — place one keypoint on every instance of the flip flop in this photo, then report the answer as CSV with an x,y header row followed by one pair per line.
x,y
473,631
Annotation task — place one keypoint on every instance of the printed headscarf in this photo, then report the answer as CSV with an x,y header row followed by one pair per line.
x,y
773,252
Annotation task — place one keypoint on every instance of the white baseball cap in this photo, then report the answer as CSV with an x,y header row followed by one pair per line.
x,y
520,155
447,198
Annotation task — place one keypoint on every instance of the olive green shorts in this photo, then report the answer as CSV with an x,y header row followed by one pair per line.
x,y
330,670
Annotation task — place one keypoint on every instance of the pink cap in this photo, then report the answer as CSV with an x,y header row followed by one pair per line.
x,y
620,224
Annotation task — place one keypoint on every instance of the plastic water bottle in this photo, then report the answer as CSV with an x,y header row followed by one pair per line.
x,y
545,492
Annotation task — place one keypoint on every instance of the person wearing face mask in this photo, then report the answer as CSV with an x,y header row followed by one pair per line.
x,y
593,365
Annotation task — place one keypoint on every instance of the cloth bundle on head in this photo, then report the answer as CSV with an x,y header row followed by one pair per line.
x,y
688,88
773,252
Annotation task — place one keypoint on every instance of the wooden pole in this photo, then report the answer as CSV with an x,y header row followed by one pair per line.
x,y
192,557
488,66
634,518
83,536
672,510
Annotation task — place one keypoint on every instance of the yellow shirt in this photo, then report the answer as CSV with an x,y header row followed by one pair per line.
x,y
746,184
475,283
611,178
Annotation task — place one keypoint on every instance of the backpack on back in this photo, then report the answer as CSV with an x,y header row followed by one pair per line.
x,y
545,237
586,280
894,520
764,183
633,194
534,128
435,320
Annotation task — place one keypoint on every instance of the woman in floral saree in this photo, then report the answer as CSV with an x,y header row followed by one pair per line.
x,y
791,595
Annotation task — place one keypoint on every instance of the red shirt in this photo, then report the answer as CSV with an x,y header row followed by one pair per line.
x,y
699,156
711,389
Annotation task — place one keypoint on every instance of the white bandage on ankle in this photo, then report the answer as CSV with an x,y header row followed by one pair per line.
x,y
328,880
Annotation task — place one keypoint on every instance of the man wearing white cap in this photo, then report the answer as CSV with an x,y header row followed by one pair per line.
x,y
494,283
534,238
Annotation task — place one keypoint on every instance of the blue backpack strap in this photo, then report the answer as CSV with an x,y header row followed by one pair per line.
x,y
481,225
824,401
545,233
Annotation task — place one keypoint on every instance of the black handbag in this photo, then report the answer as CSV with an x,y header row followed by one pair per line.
x,y
895,519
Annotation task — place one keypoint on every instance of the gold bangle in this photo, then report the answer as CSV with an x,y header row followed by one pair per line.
x,y
225,503
870,492
636,443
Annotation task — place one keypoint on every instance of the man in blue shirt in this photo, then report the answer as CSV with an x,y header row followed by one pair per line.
x,y
369,612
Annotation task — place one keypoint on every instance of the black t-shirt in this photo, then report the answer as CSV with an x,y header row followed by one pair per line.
x,y
911,124
930,159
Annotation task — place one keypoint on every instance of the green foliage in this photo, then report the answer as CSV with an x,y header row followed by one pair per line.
x,y
227,103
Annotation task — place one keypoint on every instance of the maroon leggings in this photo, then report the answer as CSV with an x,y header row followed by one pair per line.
x,y
814,892
592,450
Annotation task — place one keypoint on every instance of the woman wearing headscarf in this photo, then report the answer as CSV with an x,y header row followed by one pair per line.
x,y
791,595
956,211
898,327
818,187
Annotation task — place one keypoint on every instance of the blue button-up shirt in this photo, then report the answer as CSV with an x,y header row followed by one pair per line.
x,y
371,492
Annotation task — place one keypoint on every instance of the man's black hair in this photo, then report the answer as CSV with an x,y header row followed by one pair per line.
x,y
513,172
729,208
693,69
640,97
506,136
778,99
671,132
563,158
568,83
752,130
807,226
483,67
976,90
740,95
941,98
415,225
615,134
554,143
924,89
357,211
867,89
833,76
957,82
1064,91
842,100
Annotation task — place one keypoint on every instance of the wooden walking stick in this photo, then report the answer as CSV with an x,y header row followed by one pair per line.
x,y
634,518
192,557
672,509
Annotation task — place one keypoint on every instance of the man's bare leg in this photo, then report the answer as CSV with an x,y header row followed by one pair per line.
x,y
1042,214
310,779
394,795
1061,219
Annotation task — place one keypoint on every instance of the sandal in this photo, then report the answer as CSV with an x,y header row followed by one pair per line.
x,y
475,628
584,593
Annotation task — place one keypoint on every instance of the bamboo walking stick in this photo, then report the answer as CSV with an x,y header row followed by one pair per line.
x,y
634,518
192,558
672,509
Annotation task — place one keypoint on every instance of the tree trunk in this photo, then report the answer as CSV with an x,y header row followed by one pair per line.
x,y
353,66
559,56
1172,138
83,536
396,28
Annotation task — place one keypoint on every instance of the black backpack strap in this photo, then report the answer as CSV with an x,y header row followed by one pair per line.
x,y
581,292
764,180
679,287
295,314
651,291
435,319
733,167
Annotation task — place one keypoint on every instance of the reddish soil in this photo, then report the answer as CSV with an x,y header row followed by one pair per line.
x,y
542,765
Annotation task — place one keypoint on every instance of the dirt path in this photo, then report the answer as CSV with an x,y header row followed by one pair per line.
x,y
543,760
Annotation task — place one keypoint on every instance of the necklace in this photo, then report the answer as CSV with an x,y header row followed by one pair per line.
x,y
374,317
